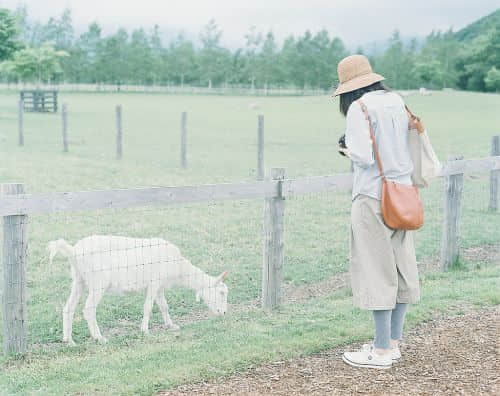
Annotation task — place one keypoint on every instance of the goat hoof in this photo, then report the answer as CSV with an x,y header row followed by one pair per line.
x,y
102,340
70,343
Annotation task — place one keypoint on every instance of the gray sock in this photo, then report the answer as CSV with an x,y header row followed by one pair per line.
x,y
397,321
382,328
389,325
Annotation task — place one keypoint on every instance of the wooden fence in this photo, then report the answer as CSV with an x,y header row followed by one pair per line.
x,y
226,89
16,206
119,136
40,101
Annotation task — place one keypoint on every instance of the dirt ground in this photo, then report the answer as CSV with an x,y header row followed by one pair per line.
x,y
446,356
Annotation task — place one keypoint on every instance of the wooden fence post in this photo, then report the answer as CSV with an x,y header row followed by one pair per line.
x,y
14,277
64,114
119,132
494,175
452,199
20,121
184,140
260,148
54,95
273,252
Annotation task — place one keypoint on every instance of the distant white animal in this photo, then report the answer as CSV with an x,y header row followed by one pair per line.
x,y
253,106
115,264
424,91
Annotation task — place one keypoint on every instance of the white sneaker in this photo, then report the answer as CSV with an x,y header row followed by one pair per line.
x,y
395,352
367,357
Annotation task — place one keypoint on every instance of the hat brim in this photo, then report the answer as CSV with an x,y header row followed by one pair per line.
x,y
358,82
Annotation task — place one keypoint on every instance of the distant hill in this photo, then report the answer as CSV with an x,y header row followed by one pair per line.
x,y
482,25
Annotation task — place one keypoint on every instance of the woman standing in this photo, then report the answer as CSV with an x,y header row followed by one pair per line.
x,y
384,277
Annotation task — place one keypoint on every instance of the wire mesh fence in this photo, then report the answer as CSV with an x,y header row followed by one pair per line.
x,y
316,236
101,273
124,260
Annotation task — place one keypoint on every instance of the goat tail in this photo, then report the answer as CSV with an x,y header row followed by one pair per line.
x,y
60,246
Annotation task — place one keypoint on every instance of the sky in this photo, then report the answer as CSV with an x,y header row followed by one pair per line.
x,y
356,22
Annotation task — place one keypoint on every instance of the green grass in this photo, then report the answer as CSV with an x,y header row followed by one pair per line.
x,y
301,135
143,365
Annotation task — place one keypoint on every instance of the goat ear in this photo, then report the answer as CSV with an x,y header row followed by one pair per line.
x,y
221,277
198,296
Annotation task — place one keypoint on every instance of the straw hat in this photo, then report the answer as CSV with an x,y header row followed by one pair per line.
x,y
355,72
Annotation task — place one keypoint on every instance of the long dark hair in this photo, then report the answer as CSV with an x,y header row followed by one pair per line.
x,y
347,98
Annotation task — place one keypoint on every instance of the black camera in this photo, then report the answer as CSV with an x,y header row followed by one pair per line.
x,y
342,144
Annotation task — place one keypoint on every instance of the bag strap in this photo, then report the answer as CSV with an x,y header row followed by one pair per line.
x,y
377,157
409,111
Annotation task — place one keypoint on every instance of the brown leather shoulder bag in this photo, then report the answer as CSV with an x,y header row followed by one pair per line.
x,y
401,205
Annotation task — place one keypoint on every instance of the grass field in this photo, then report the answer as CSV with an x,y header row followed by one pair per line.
x,y
301,135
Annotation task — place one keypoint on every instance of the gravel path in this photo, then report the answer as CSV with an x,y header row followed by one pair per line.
x,y
446,356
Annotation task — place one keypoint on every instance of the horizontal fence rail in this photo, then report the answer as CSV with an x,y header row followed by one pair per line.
x,y
485,164
170,89
111,199
316,184
120,199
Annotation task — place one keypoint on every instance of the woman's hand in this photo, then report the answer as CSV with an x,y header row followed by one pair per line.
x,y
416,123
345,152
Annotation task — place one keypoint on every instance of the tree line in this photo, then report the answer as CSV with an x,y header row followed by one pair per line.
x,y
53,52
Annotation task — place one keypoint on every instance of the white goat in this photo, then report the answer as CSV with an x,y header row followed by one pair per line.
x,y
119,264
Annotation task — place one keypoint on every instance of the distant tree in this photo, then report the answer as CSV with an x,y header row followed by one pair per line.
x,y
181,60
214,60
140,57
337,52
253,45
237,70
112,60
81,66
86,54
360,51
440,54
477,58
35,64
492,79
23,25
266,69
428,71
9,42
59,31
288,60
327,53
159,64
305,63
390,64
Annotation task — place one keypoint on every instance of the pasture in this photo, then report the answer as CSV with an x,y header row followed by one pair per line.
x,y
300,135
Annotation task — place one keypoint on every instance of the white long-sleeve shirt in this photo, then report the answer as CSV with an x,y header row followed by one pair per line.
x,y
390,127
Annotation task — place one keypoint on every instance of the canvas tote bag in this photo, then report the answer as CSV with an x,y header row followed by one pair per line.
x,y
426,165
402,208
